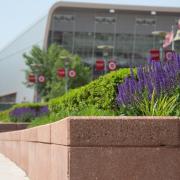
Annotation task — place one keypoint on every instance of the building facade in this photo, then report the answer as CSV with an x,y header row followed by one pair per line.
x,y
12,64
124,33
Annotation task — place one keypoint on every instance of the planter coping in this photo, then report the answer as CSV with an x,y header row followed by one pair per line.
x,y
116,131
103,131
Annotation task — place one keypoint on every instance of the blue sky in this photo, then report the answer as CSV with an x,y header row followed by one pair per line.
x,y
17,15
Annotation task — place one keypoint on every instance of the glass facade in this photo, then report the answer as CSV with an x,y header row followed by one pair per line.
x,y
126,35
10,98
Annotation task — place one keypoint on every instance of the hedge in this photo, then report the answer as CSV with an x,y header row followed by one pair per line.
x,y
100,93
4,116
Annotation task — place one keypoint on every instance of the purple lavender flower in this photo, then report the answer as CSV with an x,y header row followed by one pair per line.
x,y
161,77
26,114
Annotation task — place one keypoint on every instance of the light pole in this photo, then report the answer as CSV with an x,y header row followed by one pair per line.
x,y
35,68
105,55
66,67
105,49
177,41
162,35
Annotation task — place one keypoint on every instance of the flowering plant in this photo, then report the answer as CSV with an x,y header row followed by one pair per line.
x,y
154,80
26,114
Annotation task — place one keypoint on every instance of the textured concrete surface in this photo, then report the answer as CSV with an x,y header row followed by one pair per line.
x,y
116,131
29,135
60,132
44,134
4,127
112,163
60,162
98,148
43,163
32,161
9,170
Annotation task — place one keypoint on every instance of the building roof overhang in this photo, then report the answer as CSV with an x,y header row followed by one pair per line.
x,y
117,6
69,4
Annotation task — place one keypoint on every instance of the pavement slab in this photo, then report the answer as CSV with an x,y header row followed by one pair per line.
x,y
10,171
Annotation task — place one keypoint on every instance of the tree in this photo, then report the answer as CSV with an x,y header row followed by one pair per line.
x,y
41,62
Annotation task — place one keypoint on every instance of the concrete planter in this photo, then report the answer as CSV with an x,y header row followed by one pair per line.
x,y
4,127
98,148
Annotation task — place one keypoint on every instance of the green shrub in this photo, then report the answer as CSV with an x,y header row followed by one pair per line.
x,y
164,105
100,93
4,116
93,111
128,110
176,111
160,106
88,111
29,105
44,120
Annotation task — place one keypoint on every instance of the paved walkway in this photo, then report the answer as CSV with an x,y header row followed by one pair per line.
x,y
9,170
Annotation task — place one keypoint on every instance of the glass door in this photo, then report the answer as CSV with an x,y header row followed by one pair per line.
x,y
104,39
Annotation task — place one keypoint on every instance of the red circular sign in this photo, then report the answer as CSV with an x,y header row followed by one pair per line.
x,y
61,72
72,73
31,78
100,65
112,66
41,79
169,55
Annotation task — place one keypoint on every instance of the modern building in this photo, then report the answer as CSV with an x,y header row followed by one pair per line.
x,y
126,33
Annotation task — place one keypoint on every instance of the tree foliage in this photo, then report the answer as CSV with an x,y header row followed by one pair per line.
x,y
49,61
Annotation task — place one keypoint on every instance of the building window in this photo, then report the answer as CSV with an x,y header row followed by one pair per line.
x,y
10,98
67,40
123,49
105,20
63,31
84,46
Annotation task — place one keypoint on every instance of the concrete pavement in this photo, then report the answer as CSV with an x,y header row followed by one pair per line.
x,y
9,170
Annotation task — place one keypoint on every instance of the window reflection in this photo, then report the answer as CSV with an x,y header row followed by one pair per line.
x,y
67,40
128,36
123,49
84,46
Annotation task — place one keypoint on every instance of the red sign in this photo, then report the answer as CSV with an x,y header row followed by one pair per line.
x,y
155,55
72,73
112,65
31,78
169,55
61,72
100,65
41,79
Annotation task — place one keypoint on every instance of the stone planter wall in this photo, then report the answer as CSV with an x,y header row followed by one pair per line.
x,y
4,127
98,148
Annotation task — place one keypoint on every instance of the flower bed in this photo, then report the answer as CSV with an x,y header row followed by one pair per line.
x,y
27,112
155,90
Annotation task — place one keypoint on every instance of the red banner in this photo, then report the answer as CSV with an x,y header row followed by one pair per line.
x,y
155,55
32,78
61,72
100,65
